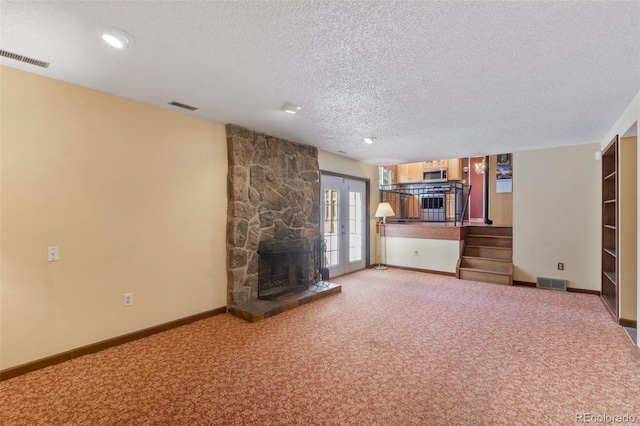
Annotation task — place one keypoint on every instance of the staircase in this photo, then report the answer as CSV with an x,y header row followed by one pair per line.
x,y
486,255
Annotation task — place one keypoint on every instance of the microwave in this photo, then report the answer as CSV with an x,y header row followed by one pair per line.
x,y
434,175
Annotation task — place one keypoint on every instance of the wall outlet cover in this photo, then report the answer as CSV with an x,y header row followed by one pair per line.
x,y
53,253
128,299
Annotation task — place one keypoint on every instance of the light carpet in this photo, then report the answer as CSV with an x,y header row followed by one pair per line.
x,y
394,348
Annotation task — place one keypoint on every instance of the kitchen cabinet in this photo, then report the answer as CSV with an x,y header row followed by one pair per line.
x,y
405,206
450,207
454,169
402,173
395,201
435,164
409,172
411,207
413,172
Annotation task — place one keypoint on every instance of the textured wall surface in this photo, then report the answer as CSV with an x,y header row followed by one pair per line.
x,y
273,191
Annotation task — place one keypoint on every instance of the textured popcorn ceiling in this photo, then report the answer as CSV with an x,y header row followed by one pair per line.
x,y
429,79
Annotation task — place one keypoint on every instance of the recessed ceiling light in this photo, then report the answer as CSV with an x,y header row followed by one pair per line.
x,y
369,140
291,109
114,37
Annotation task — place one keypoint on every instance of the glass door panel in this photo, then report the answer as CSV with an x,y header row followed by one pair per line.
x,y
343,224
331,226
357,219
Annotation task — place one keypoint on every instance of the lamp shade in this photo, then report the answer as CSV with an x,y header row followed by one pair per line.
x,y
384,210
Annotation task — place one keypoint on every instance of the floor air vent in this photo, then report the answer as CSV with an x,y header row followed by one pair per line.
x,y
24,59
551,283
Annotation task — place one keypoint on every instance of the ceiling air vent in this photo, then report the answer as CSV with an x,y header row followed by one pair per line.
x,y
24,59
181,105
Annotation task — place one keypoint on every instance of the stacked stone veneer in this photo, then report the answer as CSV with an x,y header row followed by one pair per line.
x,y
273,191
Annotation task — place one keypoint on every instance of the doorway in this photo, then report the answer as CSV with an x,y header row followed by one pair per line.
x,y
343,221
476,202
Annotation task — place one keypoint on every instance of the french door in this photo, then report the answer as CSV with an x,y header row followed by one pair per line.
x,y
343,224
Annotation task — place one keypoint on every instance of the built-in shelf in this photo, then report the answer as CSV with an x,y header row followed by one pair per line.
x,y
611,301
613,277
610,264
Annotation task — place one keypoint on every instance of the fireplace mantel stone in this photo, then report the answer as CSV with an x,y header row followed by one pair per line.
x,y
273,194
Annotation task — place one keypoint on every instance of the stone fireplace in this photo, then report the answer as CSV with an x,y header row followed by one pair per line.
x,y
273,194
284,267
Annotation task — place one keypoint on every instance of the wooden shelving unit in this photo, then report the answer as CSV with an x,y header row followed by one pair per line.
x,y
610,262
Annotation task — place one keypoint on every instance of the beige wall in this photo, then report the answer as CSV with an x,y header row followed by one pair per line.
x,y
337,164
134,196
556,215
433,255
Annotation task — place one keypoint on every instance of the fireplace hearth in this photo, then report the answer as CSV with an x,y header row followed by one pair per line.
x,y
291,274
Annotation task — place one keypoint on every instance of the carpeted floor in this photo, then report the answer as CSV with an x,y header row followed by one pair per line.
x,y
394,348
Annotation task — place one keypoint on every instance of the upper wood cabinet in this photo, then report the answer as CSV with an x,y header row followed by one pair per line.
x,y
409,172
435,164
402,173
454,169
413,172
416,171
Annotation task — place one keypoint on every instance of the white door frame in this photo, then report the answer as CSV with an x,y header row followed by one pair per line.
x,y
343,184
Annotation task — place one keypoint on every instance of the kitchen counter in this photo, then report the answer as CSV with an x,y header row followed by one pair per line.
x,y
430,231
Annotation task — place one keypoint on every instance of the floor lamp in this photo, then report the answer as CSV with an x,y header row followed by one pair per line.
x,y
384,210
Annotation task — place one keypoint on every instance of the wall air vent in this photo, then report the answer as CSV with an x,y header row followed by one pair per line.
x,y
181,105
551,283
24,59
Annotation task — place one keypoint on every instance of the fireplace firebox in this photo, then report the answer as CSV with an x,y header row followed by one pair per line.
x,y
284,267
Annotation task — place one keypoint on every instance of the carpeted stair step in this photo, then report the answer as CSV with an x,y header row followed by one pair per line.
x,y
490,240
486,264
488,252
486,255
471,274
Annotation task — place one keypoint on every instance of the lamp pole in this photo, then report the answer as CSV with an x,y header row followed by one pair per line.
x,y
384,210
380,228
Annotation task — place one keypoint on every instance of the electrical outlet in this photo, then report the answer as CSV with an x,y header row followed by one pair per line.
x,y
560,266
53,253
128,299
